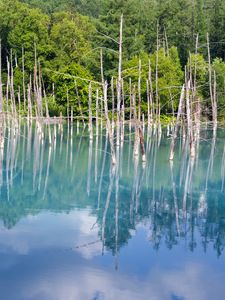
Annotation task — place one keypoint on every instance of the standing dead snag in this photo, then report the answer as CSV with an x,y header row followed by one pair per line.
x,y
1,96
172,146
90,111
119,81
108,124
212,88
214,109
120,66
150,90
138,132
156,74
189,121
1,105
139,91
97,112
113,101
135,124
24,87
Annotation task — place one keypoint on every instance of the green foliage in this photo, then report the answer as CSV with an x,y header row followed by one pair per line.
x,y
199,66
219,67
22,27
49,6
199,70
217,28
68,35
170,75
69,83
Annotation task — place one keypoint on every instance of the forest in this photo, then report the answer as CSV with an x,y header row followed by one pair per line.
x,y
68,42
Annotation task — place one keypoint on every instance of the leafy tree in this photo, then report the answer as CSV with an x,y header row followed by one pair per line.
x,y
199,68
219,67
170,75
50,6
69,82
217,27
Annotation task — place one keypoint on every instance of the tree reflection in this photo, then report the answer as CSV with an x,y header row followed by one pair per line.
x,y
175,201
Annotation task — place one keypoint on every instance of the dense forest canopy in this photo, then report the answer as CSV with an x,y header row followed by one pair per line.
x,y
68,36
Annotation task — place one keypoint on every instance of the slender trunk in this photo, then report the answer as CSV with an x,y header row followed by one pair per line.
x,y
172,146
90,111
108,124
139,91
24,87
97,112
113,101
150,89
1,95
120,67
210,83
156,73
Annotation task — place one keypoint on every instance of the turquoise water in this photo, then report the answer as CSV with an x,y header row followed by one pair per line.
x,y
73,227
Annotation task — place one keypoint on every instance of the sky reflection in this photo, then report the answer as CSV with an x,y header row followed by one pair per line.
x,y
74,227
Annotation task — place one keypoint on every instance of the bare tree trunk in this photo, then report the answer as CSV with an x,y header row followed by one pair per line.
x,y
139,91
97,112
46,101
136,139
24,87
189,117
150,90
113,101
156,73
213,105
123,114
214,102
90,111
78,99
166,42
108,124
19,100
119,80
68,108
1,95
120,66
172,146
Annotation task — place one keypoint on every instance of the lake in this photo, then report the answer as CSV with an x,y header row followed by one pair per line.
x,y
72,226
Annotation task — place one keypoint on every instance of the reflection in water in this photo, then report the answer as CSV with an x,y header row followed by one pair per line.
x,y
181,200
60,170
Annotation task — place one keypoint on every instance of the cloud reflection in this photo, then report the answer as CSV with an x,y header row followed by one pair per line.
x,y
74,273
43,231
191,281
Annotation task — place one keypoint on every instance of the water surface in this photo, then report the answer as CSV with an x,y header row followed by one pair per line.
x,y
74,227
